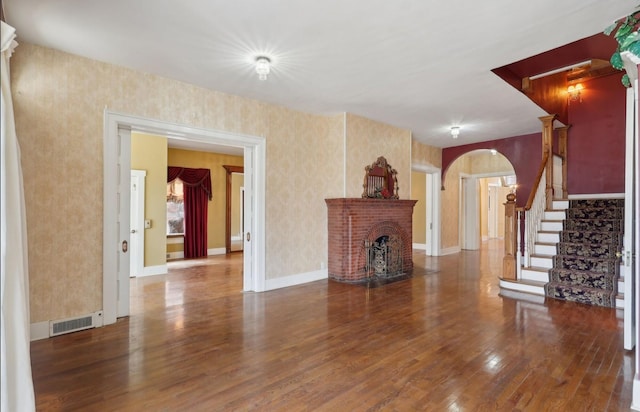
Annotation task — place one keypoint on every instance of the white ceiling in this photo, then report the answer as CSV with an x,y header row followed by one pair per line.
x,y
422,65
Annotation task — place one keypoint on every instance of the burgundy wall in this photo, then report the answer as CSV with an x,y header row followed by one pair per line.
x,y
524,153
595,149
596,142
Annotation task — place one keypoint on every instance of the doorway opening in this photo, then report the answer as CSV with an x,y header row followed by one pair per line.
x,y
116,175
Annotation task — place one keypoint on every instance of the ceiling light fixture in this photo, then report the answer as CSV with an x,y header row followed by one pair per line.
x,y
263,67
494,152
455,131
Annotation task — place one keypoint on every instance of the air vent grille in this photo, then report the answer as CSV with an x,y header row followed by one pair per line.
x,y
70,325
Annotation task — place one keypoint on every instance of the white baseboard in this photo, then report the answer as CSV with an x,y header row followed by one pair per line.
x,y
217,251
42,330
175,255
449,250
39,330
598,196
297,279
154,270
635,396
420,246
210,252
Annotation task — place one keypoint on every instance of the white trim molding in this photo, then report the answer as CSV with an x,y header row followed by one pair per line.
x,y
40,330
154,270
420,246
597,196
297,279
450,250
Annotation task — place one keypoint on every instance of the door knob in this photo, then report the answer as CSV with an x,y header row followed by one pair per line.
x,y
133,231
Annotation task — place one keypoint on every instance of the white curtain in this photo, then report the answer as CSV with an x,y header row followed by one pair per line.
x,y
16,383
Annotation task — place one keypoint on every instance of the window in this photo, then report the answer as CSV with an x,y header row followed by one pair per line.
x,y
175,208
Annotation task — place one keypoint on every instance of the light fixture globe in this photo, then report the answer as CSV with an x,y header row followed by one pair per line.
x,y
263,67
455,131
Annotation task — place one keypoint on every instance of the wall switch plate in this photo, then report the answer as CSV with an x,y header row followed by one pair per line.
x,y
147,224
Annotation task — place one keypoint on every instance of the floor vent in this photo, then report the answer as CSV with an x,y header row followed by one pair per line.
x,y
62,326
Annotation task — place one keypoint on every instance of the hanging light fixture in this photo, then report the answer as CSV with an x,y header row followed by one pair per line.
x,y
455,131
263,67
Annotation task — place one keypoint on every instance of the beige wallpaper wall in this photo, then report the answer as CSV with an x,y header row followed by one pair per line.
x,y
425,155
485,162
418,185
59,106
368,140
149,153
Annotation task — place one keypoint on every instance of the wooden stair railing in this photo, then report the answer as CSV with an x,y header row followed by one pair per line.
x,y
540,199
532,214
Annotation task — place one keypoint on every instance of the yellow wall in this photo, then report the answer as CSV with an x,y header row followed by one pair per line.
x,y
450,204
217,206
418,185
59,103
149,153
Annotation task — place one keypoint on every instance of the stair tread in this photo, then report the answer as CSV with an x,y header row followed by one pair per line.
x,y
545,243
525,281
542,255
536,268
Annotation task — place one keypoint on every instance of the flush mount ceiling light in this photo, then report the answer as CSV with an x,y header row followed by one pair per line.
x,y
455,131
263,67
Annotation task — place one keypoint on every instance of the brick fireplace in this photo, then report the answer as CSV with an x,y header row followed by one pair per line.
x,y
359,229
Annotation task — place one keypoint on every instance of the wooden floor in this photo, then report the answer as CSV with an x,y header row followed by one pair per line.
x,y
444,340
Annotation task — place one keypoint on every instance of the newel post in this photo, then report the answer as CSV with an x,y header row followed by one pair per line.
x,y
547,149
510,241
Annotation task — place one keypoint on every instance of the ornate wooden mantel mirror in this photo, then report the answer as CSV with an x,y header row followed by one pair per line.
x,y
380,181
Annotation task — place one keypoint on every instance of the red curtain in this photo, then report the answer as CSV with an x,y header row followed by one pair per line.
x,y
197,192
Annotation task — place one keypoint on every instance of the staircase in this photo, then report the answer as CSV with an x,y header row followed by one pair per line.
x,y
585,267
574,255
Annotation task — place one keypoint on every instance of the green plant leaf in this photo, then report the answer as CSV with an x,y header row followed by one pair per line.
x,y
610,29
631,38
616,61
625,80
623,32
635,48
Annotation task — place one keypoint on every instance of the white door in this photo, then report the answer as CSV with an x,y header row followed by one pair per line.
x,y
492,212
250,278
136,249
123,192
628,262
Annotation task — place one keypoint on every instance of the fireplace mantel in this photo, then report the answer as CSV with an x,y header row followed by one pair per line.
x,y
352,221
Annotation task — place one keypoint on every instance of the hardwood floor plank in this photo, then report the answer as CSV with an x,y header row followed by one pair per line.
x,y
442,340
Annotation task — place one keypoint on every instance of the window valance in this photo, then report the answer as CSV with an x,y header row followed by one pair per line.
x,y
191,177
